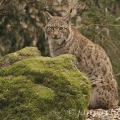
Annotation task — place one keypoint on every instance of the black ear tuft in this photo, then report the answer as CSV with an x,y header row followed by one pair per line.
x,y
67,18
48,17
45,9
71,11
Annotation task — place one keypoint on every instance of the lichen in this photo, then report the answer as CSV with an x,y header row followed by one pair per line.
x,y
43,88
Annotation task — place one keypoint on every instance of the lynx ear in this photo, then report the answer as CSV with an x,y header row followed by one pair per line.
x,y
67,18
48,17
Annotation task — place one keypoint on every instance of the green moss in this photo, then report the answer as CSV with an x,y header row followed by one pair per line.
x,y
19,55
21,98
43,88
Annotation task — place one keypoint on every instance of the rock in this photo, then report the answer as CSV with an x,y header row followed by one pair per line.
x,y
33,87
19,55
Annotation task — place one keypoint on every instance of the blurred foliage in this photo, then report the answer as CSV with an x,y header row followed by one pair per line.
x,y
22,24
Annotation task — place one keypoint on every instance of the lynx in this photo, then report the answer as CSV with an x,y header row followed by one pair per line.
x,y
66,39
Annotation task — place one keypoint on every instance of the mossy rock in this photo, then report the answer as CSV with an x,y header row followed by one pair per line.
x,y
19,55
33,87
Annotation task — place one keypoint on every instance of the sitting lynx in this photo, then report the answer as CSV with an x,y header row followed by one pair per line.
x,y
64,38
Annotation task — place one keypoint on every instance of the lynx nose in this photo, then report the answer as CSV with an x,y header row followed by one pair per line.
x,y
55,37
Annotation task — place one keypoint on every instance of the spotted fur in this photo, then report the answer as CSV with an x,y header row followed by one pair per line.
x,y
64,38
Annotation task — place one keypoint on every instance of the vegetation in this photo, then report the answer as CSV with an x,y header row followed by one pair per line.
x,y
32,89
21,24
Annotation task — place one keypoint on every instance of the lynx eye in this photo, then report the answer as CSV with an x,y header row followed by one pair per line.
x,y
60,28
52,28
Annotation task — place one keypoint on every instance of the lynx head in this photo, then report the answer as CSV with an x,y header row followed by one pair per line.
x,y
57,29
